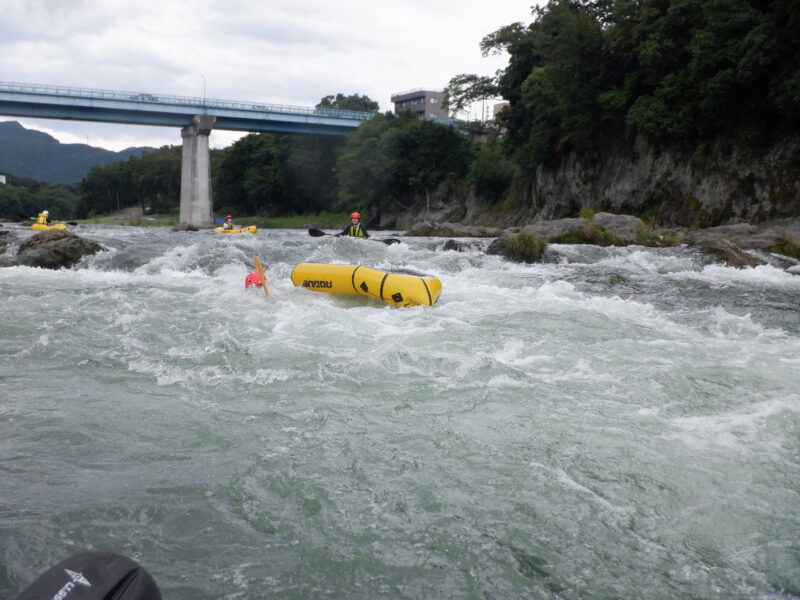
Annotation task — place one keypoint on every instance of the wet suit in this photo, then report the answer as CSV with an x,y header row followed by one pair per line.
x,y
357,230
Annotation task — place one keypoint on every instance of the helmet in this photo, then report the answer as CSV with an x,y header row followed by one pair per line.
x,y
45,212
355,215
252,280
228,217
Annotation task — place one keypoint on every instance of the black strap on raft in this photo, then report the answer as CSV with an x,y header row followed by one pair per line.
x,y
94,576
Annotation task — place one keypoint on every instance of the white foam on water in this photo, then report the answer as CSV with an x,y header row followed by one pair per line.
x,y
754,276
563,478
743,430
724,325
350,422
650,261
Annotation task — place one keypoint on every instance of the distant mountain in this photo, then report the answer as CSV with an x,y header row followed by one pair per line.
x,y
30,153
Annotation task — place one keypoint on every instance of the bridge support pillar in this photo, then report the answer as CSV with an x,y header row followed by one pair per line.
x,y
196,173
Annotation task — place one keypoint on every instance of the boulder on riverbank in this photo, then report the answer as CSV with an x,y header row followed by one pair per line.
x,y
52,250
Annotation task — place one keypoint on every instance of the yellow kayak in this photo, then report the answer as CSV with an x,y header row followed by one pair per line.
x,y
54,227
396,289
250,229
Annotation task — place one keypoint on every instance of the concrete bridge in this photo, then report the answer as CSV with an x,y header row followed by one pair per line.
x,y
196,117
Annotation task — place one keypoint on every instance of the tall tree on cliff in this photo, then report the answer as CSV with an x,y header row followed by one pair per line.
x,y
680,72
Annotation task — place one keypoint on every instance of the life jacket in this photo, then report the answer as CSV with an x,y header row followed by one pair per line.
x,y
41,219
356,231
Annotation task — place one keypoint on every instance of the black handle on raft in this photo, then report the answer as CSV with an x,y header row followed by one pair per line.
x,y
94,576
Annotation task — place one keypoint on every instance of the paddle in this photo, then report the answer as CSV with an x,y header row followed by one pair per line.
x,y
319,233
260,269
94,576
221,222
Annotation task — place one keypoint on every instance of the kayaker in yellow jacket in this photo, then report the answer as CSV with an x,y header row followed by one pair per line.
x,y
355,229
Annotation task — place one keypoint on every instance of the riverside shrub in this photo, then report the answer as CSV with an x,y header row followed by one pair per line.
x,y
588,234
525,247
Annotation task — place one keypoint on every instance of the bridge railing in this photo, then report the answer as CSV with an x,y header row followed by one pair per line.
x,y
187,101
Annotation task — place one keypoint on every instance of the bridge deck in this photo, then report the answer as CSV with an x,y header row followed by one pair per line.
x,y
85,104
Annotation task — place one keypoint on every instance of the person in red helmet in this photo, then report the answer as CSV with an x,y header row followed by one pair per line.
x,y
355,229
252,280
228,224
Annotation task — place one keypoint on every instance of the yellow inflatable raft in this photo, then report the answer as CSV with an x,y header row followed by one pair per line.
x,y
250,229
397,289
54,227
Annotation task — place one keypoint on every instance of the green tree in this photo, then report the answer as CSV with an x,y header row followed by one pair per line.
x,y
252,177
311,163
352,102
585,73
151,181
491,171
22,197
464,89
399,159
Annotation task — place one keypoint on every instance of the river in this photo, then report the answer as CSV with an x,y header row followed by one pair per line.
x,y
609,423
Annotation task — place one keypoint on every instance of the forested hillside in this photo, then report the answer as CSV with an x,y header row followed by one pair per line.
x,y
694,104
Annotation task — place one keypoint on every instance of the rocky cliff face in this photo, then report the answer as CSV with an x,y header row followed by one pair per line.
x,y
724,185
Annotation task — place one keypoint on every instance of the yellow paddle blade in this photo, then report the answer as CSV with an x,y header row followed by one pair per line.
x,y
260,269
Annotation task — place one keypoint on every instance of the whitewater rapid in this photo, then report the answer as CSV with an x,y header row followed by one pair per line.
x,y
611,422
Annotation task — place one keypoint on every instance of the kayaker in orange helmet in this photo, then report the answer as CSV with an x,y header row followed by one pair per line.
x,y
355,229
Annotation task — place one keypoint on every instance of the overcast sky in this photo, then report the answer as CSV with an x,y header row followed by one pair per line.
x,y
271,51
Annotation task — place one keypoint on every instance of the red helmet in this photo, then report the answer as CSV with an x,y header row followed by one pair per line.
x,y
355,215
252,280
228,217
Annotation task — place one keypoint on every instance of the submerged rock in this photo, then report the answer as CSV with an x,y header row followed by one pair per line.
x,y
54,250
452,244
431,229
725,250
6,237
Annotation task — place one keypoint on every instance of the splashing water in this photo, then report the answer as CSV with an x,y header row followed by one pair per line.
x,y
613,422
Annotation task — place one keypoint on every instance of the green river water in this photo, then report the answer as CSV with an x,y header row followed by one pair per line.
x,y
610,423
